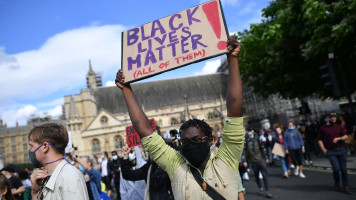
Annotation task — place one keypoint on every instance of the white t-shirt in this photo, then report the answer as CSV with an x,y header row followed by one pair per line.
x,y
104,168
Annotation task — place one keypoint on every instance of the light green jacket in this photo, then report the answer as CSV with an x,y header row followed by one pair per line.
x,y
220,171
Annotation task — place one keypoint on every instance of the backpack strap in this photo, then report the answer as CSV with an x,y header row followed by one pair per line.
x,y
205,186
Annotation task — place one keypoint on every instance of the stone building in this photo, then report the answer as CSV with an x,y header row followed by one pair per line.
x,y
14,140
97,117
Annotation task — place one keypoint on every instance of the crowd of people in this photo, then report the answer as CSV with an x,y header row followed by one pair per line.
x,y
292,145
202,164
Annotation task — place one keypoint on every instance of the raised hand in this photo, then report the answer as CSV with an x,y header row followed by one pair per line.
x,y
126,150
120,79
234,46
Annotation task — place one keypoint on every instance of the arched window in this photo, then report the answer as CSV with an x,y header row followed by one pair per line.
x,y
174,121
118,142
104,120
96,145
214,114
210,116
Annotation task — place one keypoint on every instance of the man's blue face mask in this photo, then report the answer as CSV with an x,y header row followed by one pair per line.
x,y
35,163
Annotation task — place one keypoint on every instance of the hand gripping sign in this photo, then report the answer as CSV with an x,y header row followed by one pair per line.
x,y
189,36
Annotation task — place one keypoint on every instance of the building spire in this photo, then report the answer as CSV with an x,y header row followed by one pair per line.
x,y
93,79
91,71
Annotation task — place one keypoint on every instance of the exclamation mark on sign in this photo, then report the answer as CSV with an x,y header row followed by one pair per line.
x,y
212,13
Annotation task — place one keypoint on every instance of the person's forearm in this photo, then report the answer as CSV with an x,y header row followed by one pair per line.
x,y
344,137
234,90
138,118
129,174
321,145
19,190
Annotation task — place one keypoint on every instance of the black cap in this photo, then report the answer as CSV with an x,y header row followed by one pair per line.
x,y
249,129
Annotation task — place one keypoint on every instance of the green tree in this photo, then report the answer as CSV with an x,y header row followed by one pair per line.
x,y
283,53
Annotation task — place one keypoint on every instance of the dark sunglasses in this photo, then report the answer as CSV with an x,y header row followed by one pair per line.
x,y
195,140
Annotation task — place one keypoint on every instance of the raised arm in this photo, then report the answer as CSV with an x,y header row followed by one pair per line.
x,y
138,118
234,90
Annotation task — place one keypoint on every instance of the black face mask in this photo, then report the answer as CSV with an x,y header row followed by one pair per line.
x,y
195,153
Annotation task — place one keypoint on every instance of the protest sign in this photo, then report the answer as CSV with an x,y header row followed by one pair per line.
x,y
278,149
186,37
132,137
69,144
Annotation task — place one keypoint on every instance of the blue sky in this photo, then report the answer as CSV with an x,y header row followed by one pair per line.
x,y
46,45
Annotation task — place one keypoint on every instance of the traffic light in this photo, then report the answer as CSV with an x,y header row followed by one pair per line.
x,y
330,81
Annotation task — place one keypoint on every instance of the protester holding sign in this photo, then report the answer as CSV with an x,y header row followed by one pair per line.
x,y
189,36
197,173
281,153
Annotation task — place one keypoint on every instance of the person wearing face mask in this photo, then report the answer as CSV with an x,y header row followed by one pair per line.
x,y
330,138
294,146
267,141
256,154
91,175
114,167
197,173
5,188
55,177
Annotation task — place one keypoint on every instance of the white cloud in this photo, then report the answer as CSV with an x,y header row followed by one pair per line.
x,y
59,64
26,111
110,83
210,67
11,116
21,115
56,111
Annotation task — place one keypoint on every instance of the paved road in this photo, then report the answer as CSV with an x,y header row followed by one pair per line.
x,y
318,184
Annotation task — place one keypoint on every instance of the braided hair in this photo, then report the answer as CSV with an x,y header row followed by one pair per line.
x,y
200,124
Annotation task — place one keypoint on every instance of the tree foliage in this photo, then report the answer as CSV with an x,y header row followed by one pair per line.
x,y
283,53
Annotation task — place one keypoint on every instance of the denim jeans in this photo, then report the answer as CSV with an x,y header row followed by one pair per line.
x,y
285,163
337,160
